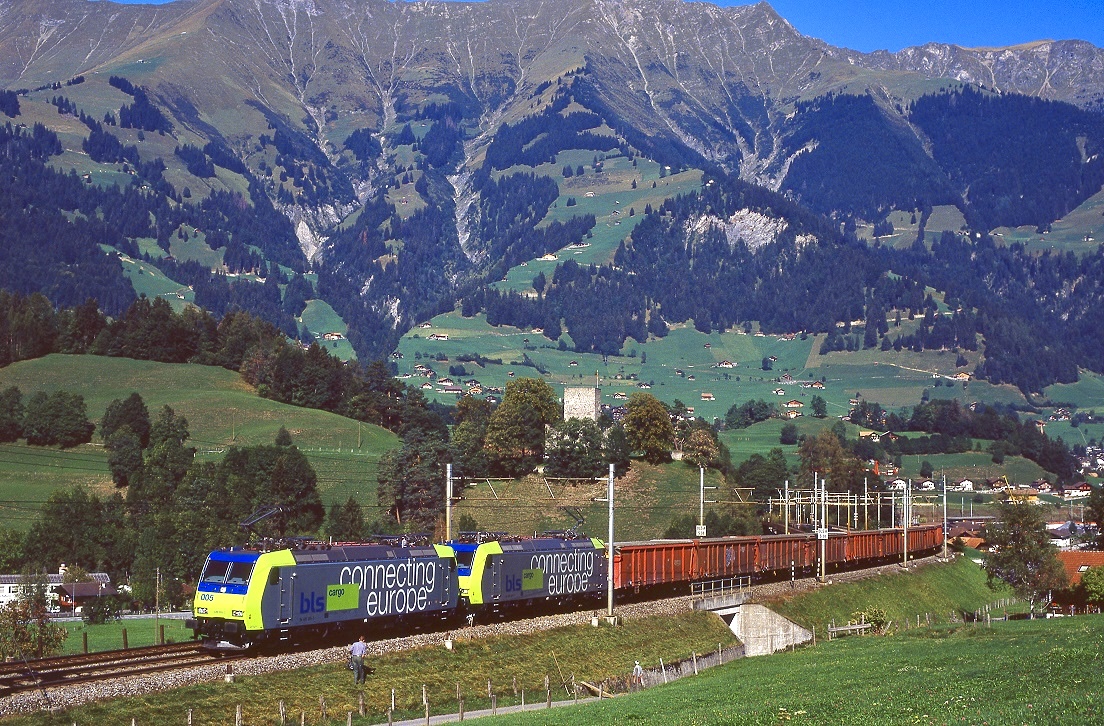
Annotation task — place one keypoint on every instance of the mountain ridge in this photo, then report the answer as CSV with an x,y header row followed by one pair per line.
x,y
369,126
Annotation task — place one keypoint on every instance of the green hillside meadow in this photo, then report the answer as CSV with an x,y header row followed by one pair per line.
x,y
222,411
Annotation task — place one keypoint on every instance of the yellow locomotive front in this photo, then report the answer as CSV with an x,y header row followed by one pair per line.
x,y
227,606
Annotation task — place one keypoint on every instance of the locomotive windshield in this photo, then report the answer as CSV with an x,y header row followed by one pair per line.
x,y
231,573
239,573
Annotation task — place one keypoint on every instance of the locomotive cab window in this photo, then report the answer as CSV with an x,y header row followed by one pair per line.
x,y
239,573
214,571
464,559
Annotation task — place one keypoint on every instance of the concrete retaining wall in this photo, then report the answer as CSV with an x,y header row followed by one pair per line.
x,y
763,631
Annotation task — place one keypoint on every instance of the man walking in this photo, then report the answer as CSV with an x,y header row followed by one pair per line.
x,y
637,677
356,660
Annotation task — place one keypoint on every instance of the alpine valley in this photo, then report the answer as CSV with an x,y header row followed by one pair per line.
x,y
364,166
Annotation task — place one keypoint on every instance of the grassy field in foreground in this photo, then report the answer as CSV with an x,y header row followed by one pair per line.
x,y
588,653
963,675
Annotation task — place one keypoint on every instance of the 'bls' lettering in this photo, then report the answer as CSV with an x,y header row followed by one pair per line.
x,y
512,583
311,603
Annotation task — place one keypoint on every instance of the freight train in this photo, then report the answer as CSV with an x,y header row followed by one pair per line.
x,y
300,590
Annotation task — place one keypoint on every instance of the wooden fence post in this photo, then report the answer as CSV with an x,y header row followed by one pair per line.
x,y
427,713
161,635
461,699
548,698
124,639
322,706
348,718
189,718
85,639
494,705
283,713
694,657
238,715
360,703
302,718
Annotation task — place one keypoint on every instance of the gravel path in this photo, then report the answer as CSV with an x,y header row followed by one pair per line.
x,y
77,694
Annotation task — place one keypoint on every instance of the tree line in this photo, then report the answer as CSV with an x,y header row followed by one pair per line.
x,y
168,510
150,330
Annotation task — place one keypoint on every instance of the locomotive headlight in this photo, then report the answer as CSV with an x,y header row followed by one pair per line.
x,y
201,611
237,613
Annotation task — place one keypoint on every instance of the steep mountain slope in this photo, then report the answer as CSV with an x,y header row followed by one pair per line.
x,y
410,153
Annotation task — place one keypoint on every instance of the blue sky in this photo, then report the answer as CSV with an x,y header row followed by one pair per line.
x,y
868,25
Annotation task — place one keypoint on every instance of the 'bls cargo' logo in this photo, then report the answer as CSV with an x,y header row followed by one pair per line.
x,y
311,603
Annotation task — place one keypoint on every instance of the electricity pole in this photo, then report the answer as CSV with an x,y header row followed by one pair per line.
x,y
701,505
448,502
609,549
944,516
787,500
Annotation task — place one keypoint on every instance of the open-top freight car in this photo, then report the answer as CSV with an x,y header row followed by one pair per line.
x,y
671,564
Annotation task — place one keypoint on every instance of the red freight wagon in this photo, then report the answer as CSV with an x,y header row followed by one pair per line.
x,y
673,562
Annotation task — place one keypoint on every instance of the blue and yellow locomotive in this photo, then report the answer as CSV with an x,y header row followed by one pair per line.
x,y
313,589
303,590
497,571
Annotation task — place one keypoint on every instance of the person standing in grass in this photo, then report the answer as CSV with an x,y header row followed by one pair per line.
x,y
637,676
356,660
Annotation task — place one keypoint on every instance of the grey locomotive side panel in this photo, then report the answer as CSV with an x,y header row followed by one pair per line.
x,y
327,592
546,573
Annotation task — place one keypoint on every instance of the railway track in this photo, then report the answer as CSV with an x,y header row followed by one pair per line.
x,y
29,675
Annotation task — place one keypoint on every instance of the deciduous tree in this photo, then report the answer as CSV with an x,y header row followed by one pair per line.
x,y
1092,581
649,427
700,449
345,522
11,414
412,480
575,450
130,412
819,407
1021,554
825,455
1096,514
59,418
124,456
515,432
